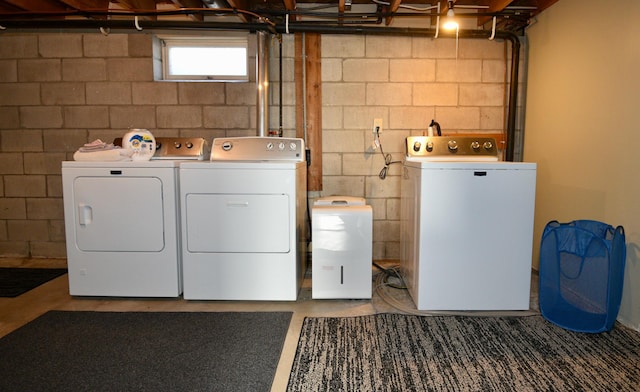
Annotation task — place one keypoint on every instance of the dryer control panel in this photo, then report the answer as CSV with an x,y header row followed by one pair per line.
x,y
257,149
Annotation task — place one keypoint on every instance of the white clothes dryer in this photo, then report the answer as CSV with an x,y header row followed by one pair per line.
x,y
122,223
243,220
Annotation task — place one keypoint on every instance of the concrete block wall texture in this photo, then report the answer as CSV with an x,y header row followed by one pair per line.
x,y
406,82
61,90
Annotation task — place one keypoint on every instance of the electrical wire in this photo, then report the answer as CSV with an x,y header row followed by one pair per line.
x,y
89,12
387,159
384,290
391,272
409,7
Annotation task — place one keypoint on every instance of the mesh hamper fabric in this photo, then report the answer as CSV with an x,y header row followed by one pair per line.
x,y
581,274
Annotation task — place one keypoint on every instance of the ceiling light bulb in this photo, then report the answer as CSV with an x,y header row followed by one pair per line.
x,y
450,22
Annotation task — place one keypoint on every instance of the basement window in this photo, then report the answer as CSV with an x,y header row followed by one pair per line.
x,y
221,58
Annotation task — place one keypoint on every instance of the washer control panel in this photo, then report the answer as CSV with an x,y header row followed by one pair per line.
x,y
178,148
256,148
451,146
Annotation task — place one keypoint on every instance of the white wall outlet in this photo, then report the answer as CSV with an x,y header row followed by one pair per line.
x,y
377,126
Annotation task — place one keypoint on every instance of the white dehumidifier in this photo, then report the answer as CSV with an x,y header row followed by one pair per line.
x,y
342,248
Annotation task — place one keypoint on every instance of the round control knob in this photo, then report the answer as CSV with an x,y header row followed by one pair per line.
x,y
453,145
177,145
188,145
487,145
475,145
226,146
292,146
429,146
281,146
416,146
269,146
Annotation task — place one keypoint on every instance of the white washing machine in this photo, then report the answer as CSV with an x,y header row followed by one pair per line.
x,y
122,223
243,220
466,225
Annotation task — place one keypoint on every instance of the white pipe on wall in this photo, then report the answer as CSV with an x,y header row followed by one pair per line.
x,y
262,82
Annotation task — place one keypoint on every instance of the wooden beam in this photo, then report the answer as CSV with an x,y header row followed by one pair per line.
x,y
190,4
308,72
102,5
38,6
500,5
544,4
9,8
393,7
494,6
290,5
241,5
140,5
88,5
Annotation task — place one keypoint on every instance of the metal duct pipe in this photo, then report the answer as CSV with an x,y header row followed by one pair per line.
x,y
262,82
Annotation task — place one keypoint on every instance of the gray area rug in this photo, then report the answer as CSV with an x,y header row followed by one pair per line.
x,y
394,352
17,281
144,351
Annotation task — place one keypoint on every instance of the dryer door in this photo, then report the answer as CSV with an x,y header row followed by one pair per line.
x,y
238,223
118,214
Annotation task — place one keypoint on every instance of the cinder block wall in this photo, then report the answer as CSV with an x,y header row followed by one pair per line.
x,y
406,82
61,90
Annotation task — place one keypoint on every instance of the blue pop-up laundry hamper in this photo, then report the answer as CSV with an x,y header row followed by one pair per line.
x,y
581,274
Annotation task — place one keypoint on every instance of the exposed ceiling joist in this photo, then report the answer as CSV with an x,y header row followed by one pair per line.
x,y
241,5
87,4
393,8
290,5
38,5
190,4
511,15
140,5
494,6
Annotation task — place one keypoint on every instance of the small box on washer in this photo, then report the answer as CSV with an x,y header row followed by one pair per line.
x,y
342,229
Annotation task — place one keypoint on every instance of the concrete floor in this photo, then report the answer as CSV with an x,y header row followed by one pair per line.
x,y
54,295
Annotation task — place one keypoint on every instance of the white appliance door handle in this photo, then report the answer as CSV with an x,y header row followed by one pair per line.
x,y
237,204
85,214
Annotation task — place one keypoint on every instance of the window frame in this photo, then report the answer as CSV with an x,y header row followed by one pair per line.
x,y
223,40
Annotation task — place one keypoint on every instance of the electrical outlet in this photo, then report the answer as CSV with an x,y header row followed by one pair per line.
x,y
377,126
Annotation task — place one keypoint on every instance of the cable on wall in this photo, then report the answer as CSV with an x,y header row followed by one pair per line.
x,y
287,23
493,30
387,157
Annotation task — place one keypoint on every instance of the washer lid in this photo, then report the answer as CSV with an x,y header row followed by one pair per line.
x,y
340,201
